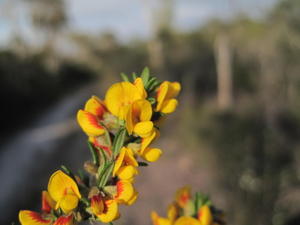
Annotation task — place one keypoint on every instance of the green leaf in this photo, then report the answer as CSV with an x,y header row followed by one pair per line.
x,y
119,141
150,83
154,85
145,76
124,77
106,174
94,154
134,76
143,164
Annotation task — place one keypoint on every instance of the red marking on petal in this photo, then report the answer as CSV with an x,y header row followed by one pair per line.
x,y
37,217
120,189
93,120
64,220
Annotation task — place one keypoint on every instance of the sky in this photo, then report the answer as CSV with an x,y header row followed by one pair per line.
x,y
129,19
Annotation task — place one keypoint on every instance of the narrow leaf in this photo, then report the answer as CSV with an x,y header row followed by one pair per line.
x,y
145,75
94,154
119,141
124,77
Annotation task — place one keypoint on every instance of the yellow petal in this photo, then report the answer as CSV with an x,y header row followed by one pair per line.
x,y
169,106
111,211
143,129
27,217
133,198
119,160
127,172
47,202
95,106
151,154
140,86
143,110
186,220
173,90
121,95
64,220
68,203
97,204
61,184
183,195
205,216
161,94
89,123
148,140
157,220
125,191
129,158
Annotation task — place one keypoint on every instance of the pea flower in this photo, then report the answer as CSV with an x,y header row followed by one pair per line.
x,y
138,119
89,118
126,193
121,95
64,191
166,93
126,165
106,210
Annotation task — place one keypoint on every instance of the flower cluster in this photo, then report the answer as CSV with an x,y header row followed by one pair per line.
x,y
186,210
120,129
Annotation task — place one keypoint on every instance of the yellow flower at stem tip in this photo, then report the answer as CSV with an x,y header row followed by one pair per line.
x,y
121,95
126,193
64,191
125,165
138,118
166,93
205,215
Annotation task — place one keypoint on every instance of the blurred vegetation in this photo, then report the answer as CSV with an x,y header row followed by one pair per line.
x,y
255,138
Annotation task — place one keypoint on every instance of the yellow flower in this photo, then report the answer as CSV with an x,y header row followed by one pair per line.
x,y
157,220
186,220
138,118
89,118
97,204
183,195
126,193
47,202
148,153
27,217
166,93
121,95
110,211
64,191
126,165
205,216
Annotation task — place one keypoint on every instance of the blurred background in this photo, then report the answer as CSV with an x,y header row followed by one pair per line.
x,y
235,135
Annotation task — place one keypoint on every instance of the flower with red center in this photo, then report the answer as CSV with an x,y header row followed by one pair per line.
x,y
89,118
